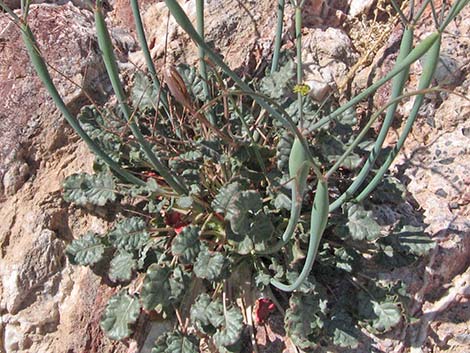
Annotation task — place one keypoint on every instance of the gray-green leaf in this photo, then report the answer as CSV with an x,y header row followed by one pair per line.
x,y
83,189
186,245
231,328
305,318
388,316
121,312
209,265
361,224
176,342
86,250
156,290
121,266
129,234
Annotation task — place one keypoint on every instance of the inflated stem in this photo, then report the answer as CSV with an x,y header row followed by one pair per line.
x,y
298,45
398,84
421,49
183,20
278,40
202,61
318,221
145,50
43,73
299,167
105,45
429,67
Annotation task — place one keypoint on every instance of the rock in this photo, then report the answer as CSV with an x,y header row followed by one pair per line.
x,y
30,269
16,4
242,33
67,40
15,177
326,58
46,304
323,13
360,7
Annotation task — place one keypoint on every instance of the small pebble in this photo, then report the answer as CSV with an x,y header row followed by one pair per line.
x,y
441,193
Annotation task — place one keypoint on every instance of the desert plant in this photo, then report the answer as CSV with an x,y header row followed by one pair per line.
x,y
225,211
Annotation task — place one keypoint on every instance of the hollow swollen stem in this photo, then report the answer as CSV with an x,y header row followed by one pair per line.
x,y
148,58
105,44
398,84
202,62
278,39
429,68
318,221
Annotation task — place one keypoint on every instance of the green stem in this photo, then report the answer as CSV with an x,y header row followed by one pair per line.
x,y
105,45
148,58
398,84
183,20
202,54
298,44
43,73
421,49
278,39
429,68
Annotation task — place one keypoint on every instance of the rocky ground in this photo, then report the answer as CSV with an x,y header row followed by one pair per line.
x,y
48,305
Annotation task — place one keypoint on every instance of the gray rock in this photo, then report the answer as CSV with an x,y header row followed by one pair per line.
x,y
326,58
30,269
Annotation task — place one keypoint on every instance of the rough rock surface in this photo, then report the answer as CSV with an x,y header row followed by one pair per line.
x,y
47,306
67,40
45,303
243,34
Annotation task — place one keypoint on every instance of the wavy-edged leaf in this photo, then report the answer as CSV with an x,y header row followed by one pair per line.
x,y
98,128
83,189
413,240
210,265
122,266
179,281
143,94
209,317
305,318
342,330
224,198
87,250
200,314
230,330
276,85
388,316
241,210
176,342
121,312
186,244
129,234
361,224
156,290
283,149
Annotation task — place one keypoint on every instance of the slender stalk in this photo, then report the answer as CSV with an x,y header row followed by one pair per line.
x,y
398,84
278,40
298,44
43,73
202,54
453,12
105,44
183,20
421,49
148,58
429,68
